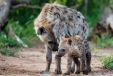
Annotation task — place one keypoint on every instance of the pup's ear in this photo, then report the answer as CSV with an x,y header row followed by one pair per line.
x,y
78,37
41,31
69,41
67,36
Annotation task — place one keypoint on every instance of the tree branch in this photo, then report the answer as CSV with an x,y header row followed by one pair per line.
x,y
27,6
16,2
4,11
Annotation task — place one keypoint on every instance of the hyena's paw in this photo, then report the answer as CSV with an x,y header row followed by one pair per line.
x,y
44,72
58,71
85,72
72,70
77,72
67,73
89,69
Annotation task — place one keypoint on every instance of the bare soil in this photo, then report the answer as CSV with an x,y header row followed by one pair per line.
x,y
31,61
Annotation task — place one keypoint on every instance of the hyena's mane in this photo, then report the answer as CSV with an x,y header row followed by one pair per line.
x,y
63,21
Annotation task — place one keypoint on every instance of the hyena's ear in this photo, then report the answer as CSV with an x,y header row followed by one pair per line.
x,y
77,37
41,31
69,41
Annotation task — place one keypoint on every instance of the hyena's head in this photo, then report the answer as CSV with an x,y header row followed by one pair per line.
x,y
68,44
48,38
48,17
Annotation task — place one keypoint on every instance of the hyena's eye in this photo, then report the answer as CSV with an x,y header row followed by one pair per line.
x,y
50,42
41,31
69,42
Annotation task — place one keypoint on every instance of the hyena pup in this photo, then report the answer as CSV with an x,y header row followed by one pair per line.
x,y
77,50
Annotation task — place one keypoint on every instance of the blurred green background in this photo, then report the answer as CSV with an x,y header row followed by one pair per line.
x,y
21,20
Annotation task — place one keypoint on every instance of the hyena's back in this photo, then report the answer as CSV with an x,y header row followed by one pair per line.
x,y
62,21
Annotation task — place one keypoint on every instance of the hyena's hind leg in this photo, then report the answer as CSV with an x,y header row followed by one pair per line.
x,y
48,59
88,57
83,64
88,61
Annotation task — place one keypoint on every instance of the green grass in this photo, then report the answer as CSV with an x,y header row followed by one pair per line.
x,y
105,41
107,62
8,46
9,51
7,41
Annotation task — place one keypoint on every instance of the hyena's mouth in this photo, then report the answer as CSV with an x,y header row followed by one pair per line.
x,y
53,45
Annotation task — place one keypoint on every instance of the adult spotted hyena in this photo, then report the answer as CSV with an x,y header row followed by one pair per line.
x,y
58,21
77,49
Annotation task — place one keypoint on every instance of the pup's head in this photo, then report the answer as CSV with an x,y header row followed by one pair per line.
x,y
67,45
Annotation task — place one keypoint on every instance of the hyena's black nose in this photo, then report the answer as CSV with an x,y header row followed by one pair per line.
x,y
62,50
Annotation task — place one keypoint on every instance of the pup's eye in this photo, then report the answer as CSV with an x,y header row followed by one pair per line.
x,y
69,42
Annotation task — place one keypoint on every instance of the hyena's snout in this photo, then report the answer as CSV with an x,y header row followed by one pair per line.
x,y
61,52
53,45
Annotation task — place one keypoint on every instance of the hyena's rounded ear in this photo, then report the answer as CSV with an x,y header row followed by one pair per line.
x,y
78,37
67,36
69,41
41,31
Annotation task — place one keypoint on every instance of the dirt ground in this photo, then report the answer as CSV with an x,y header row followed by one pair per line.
x,y
31,61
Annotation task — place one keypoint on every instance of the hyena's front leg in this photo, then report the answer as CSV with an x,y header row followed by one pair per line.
x,y
69,62
48,59
73,67
58,64
77,62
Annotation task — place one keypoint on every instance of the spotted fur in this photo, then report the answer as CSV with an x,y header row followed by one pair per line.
x,y
63,21
58,21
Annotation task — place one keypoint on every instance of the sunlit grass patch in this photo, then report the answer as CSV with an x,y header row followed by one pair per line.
x,y
9,51
105,41
107,62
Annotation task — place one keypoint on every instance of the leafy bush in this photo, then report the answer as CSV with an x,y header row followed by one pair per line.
x,y
107,62
105,41
9,51
7,46
7,42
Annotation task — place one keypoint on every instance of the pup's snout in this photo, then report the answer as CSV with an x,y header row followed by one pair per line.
x,y
61,52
